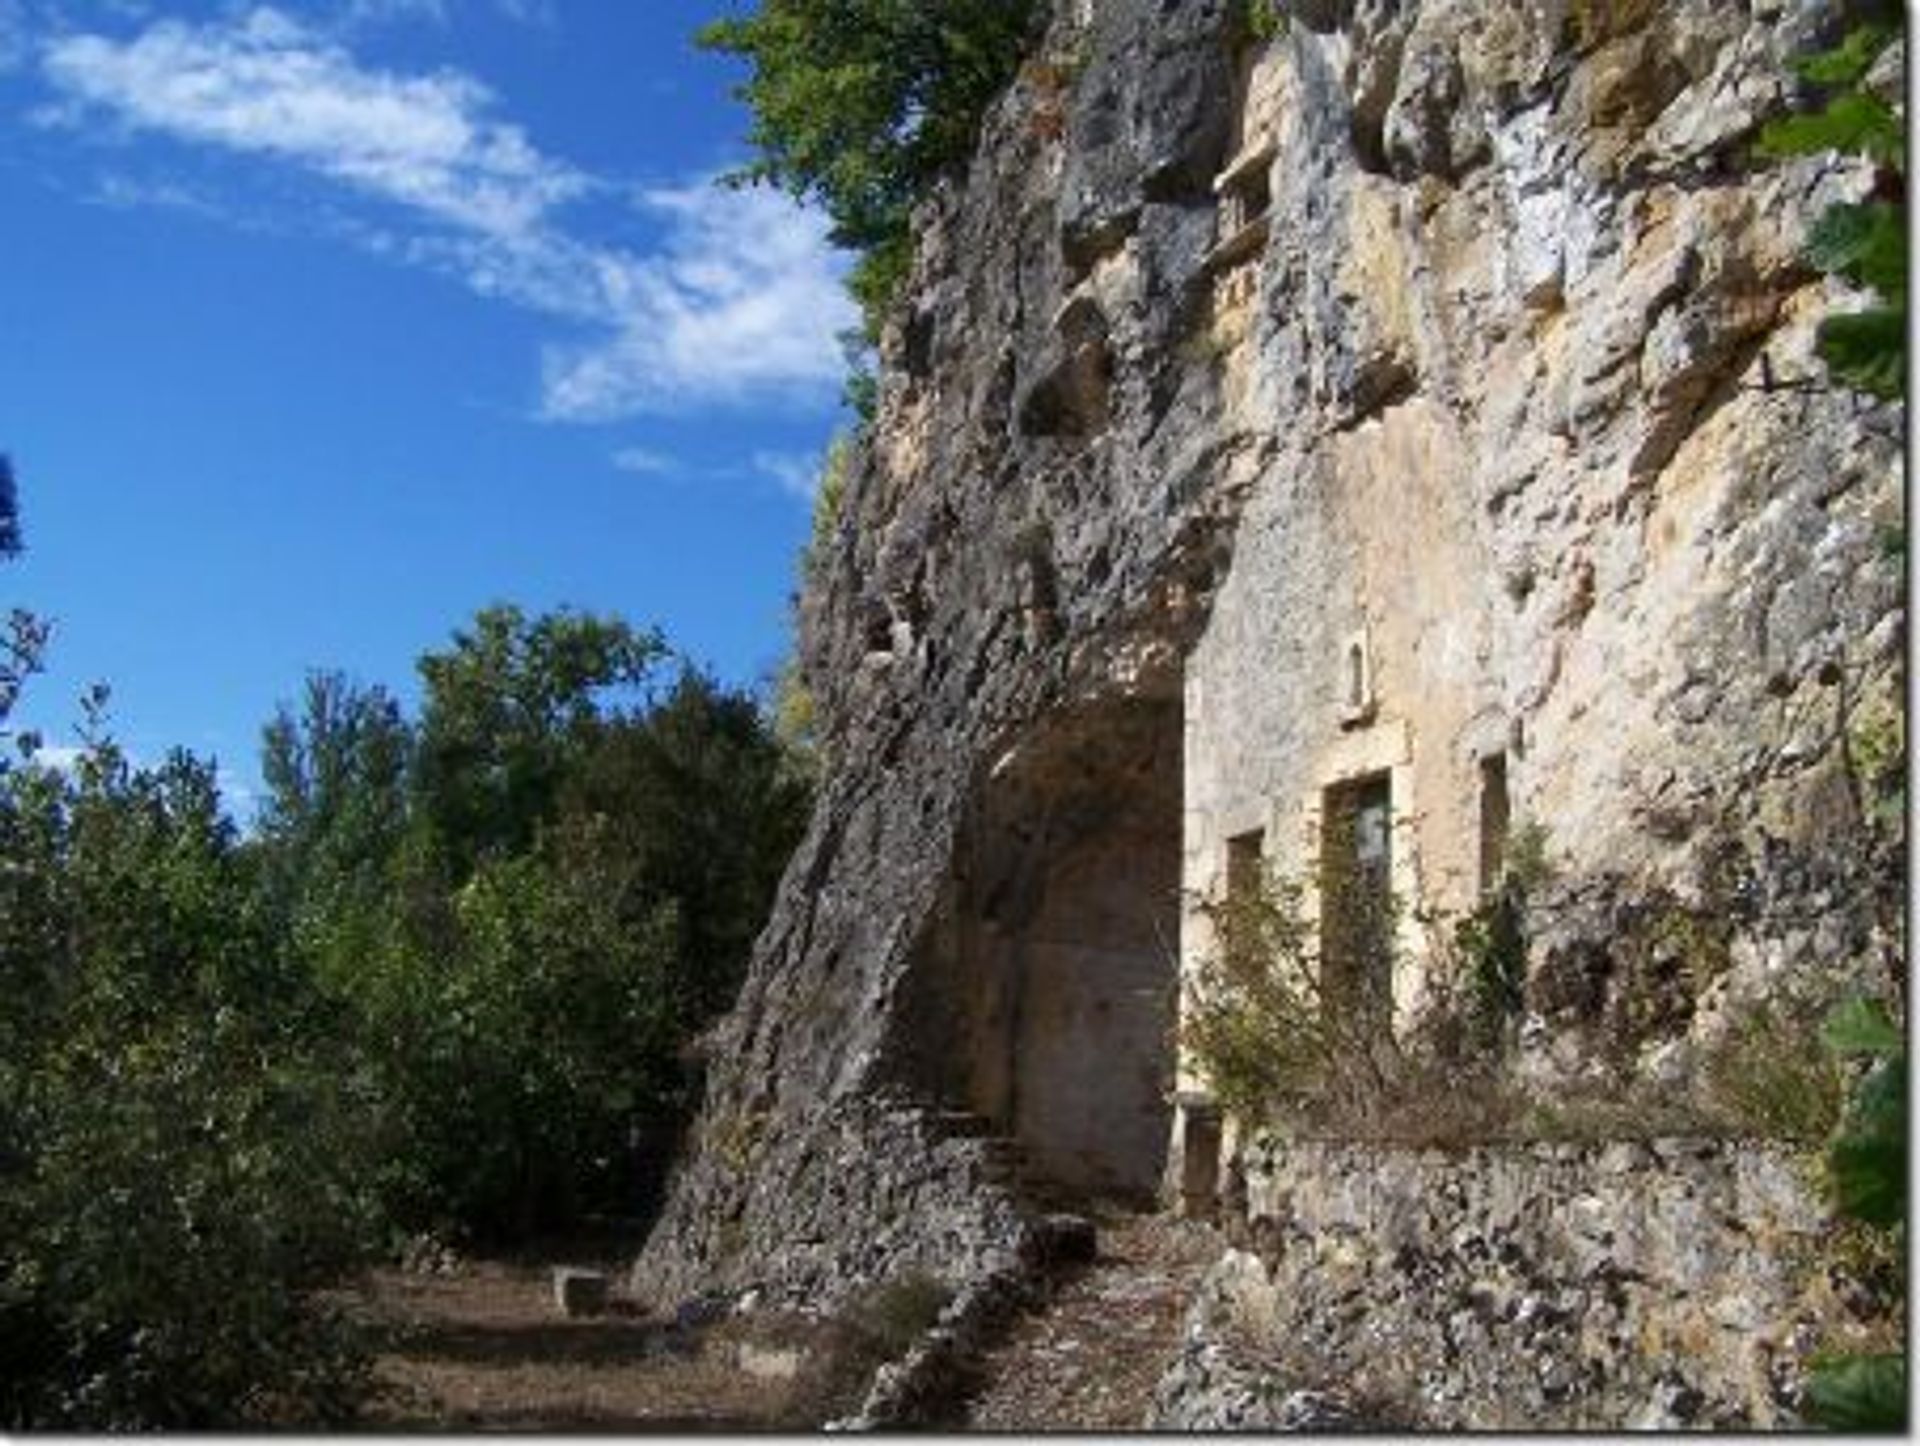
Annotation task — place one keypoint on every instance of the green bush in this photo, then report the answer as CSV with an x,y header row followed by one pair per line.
x,y
1261,20
528,904
1867,1171
181,1166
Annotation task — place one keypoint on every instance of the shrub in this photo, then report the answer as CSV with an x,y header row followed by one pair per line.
x,y
1864,242
1261,20
1867,1168
1762,1080
1283,1044
180,1164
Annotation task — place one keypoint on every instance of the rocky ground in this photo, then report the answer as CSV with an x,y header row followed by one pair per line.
x,y
472,1345
1089,1358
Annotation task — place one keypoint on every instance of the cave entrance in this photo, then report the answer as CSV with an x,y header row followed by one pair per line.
x,y
1057,966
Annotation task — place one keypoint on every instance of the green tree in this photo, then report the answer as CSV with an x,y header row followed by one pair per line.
x,y
180,1163
527,904
509,708
24,641
703,803
336,797
862,104
523,1055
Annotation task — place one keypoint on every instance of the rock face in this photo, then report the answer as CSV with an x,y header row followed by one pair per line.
x,y
1421,401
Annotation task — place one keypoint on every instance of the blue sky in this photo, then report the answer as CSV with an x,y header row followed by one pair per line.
x,y
330,322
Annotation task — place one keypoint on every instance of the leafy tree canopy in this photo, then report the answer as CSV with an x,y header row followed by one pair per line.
x,y
861,104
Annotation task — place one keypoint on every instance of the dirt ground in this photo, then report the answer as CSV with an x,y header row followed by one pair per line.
x,y
476,1345
483,1347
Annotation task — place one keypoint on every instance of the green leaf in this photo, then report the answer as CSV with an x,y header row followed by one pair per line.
x,y
1868,1179
1867,1161
1849,61
1865,244
1868,349
1859,1393
1862,1026
1850,122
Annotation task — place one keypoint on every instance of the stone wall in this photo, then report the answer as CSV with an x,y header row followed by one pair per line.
x,y
880,1193
1533,345
1661,1284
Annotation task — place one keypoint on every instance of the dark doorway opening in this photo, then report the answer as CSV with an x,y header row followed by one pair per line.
x,y
1044,1001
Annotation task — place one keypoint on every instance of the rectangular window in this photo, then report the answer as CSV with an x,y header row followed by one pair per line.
x,y
1496,817
1245,852
1356,898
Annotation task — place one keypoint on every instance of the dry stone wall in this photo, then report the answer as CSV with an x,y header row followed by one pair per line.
x,y
1663,1284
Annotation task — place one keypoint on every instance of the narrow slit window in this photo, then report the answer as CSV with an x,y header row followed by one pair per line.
x,y
1496,819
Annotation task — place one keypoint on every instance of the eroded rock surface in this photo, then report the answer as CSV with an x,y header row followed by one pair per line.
x,y
1465,333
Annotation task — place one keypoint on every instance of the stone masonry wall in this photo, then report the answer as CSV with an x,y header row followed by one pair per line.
x,y
1662,1284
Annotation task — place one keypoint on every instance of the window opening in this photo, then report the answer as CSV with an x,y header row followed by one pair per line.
x,y
1244,854
1496,818
1356,898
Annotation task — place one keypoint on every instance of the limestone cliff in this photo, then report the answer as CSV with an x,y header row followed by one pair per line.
x,y
1422,395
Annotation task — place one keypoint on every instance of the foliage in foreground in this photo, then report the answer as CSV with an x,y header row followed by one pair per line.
x,y
181,1160
1863,242
1867,1175
448,985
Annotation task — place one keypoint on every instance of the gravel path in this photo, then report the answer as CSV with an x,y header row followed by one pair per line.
x,y
1089,1358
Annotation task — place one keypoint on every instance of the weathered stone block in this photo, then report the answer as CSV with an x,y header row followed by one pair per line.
x,y
578,1292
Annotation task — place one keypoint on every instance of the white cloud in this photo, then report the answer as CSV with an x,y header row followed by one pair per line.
x,y
124,192
386,12
740,301
266,84
15,42
745,299
645,462
540,13
796,472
